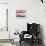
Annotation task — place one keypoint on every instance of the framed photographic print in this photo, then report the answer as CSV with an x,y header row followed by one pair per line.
x,y
20,13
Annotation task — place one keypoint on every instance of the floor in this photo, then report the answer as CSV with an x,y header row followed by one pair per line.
x,y
6,44
18,44
23,44
26,44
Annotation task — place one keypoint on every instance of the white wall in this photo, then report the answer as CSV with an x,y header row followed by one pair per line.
x,y
3,34
3,21
35,13
3,1
34,10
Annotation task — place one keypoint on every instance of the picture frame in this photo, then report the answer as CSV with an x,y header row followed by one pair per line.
x,y
20,13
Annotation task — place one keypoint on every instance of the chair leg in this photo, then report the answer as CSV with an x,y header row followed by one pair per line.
x,y
32,42
20,42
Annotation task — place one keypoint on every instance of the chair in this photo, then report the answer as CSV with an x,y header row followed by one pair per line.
x,y
33,30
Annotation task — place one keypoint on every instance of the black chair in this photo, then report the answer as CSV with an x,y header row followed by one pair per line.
x,y
32,29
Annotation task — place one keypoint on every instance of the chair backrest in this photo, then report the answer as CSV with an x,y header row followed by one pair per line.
x,y
33,28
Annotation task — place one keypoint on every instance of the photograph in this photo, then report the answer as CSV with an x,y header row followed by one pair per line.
x,y
20,13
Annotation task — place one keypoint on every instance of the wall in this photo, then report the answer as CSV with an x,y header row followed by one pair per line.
x,y
3,34
35,13
3,21
3,1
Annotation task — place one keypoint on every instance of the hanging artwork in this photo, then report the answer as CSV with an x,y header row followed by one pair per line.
x,y
20,13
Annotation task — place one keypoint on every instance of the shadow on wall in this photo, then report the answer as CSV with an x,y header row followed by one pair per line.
x,y
41,34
